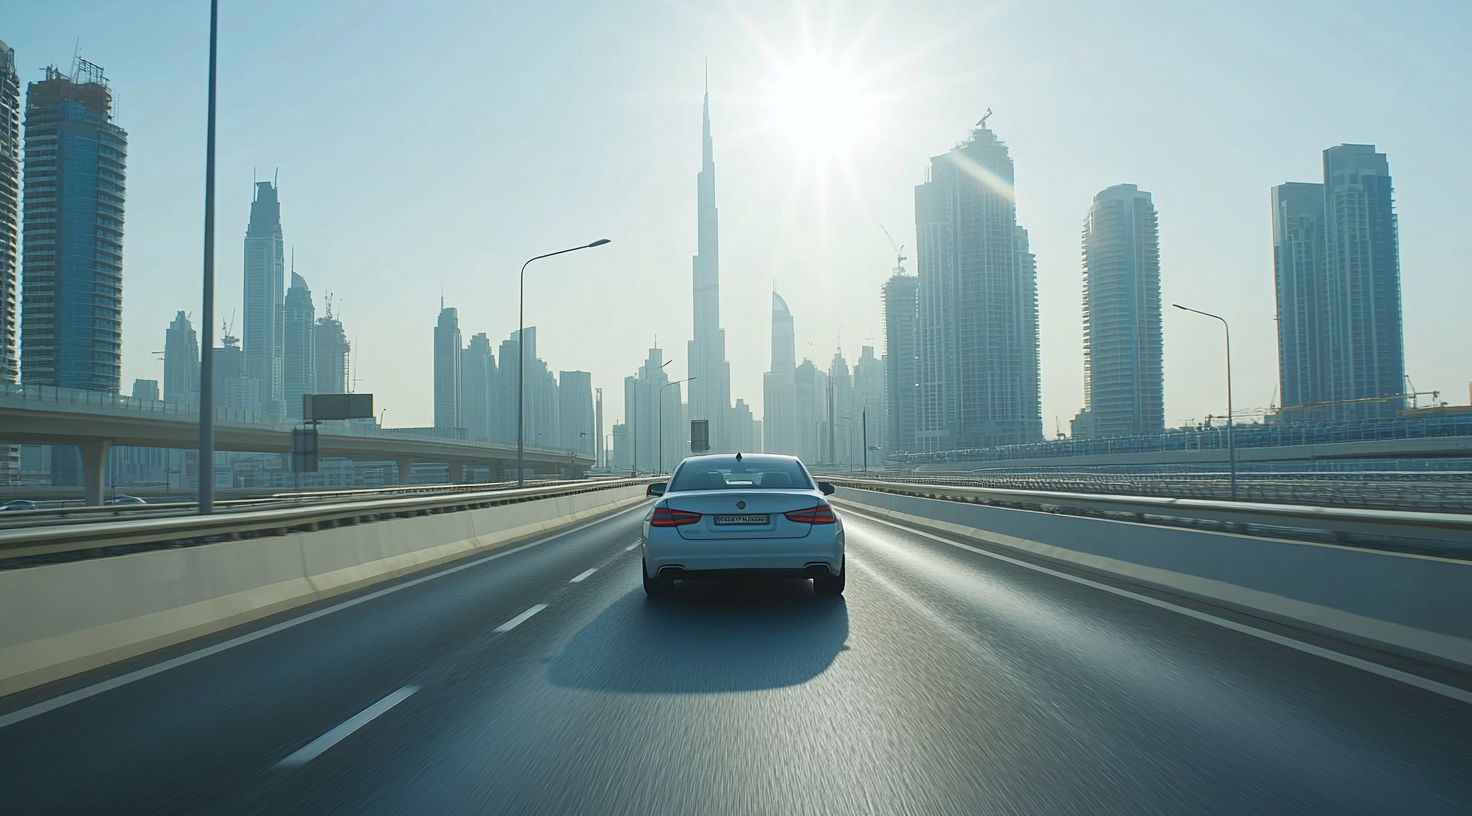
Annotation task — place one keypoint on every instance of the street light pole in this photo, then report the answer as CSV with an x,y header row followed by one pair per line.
x,y
661,415
1231,447
521,355
207,330
866,439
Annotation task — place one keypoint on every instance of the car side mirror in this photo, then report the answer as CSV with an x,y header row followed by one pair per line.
x,y
656,489
826,488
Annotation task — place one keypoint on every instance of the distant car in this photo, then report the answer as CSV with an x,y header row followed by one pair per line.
x,y
126,500
19,504
730,515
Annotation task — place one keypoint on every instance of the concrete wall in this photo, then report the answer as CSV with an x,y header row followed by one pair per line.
x,y
62,619
1408,604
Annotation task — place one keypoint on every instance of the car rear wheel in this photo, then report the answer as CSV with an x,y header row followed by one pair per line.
x,y
831,584
655,587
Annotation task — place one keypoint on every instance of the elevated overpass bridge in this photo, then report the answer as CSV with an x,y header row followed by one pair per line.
x,y
96,422
492,651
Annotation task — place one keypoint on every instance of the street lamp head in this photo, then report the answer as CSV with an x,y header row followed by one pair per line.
x,y
1179,306
599,242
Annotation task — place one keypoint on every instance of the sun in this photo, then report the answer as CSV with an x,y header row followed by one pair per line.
x,y
821,109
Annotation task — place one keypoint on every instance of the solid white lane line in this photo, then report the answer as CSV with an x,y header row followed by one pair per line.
x,y
583,576
315,748
632,546
1387,672
70,697
519,619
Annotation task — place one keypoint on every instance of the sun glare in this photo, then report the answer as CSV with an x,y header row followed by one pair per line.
x,y
819,108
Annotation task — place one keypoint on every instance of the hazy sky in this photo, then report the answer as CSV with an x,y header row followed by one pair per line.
x,y
428,148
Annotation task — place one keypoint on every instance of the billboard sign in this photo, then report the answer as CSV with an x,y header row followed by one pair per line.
x,y
324,407
699,435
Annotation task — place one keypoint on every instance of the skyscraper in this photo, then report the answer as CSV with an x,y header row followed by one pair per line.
x,y
1298,275
710,390
181,362
263,330
9,219
1341,346
869,389
901,359
72,249
477,387
1362,268
299,358
332,350
575,411
447,369
779,387
978,303
9,242
1124,387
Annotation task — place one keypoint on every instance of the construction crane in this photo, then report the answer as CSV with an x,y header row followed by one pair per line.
x,y
1058,425
899,251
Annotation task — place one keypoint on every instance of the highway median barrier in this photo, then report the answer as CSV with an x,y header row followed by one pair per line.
x,y
60,619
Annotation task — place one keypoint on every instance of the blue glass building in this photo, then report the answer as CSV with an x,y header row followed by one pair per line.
x,y
72,248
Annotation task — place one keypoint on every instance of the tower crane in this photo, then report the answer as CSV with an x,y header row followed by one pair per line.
x,y
899,251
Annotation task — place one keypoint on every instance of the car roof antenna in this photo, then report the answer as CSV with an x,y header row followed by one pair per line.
x,y
738,456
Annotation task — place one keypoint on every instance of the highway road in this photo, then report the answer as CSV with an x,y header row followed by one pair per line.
x,y
950,679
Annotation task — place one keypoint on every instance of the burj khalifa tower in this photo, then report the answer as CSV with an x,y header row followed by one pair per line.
x,y
710,390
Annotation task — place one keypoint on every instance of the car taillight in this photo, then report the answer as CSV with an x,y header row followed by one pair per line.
x,y
666,517
822,514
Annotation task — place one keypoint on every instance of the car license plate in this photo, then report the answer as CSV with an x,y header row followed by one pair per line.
x,y
762,519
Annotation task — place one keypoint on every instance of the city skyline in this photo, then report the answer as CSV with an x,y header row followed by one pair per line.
x,y
1250,283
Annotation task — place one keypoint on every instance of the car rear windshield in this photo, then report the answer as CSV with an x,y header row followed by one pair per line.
x,y
750,472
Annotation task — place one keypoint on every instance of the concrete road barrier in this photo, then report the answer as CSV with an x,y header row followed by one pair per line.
x,y
1414,605
61,619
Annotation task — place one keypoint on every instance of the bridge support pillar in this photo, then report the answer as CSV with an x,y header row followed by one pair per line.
x,y
457,472
405,466
94,469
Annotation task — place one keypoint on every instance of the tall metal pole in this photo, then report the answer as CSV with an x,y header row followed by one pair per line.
x,y
521,357
866,439
661,414
1231,444
207,330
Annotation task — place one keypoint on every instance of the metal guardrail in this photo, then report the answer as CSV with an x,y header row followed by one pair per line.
x,y
1436,492
1336,523
115,537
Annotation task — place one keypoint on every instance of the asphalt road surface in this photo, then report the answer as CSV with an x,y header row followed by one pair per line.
x,y
947,680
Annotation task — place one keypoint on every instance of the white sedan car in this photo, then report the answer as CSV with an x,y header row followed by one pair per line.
x,y
733,514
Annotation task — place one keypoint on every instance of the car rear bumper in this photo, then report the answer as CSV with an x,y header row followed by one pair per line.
x,y
794,564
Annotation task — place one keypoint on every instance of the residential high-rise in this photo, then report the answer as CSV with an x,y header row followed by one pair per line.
x,y
978,303
811,412
181,362
901,359
9,223
1341,345
332,350
575,411
72,249
710,390
299,359
1366,357
1124,385
742,427
1298,275
869,390
9,242
779,388
643,394
145,390
447,369
478,387
263,328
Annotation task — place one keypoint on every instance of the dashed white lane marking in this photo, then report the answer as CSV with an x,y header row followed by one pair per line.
x,y
23,714
1307,648
519,619
583,576
632,546
314,749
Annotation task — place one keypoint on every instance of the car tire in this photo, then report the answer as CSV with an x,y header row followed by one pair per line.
x,y
831,584
656,587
